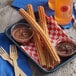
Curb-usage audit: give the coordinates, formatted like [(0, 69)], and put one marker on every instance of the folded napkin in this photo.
[(22, 4), (5, 68), (35, 3)]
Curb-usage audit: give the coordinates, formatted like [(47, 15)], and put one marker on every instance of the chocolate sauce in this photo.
[(66, 48), (21, 34)]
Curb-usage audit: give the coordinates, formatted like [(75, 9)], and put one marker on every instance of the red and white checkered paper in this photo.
[(56, 35)]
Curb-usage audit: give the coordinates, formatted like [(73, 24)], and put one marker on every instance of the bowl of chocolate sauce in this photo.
[(66, 48), (22, 33)]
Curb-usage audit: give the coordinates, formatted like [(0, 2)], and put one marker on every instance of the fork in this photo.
[(14, 57), (6, 57)]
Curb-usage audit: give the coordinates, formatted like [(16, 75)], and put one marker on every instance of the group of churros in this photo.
[(48, 55)]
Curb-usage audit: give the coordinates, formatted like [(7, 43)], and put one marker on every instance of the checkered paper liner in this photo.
[(56, 35)]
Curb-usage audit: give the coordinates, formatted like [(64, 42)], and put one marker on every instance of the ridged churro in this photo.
[(43, 24), (37, 40), (35, 26)]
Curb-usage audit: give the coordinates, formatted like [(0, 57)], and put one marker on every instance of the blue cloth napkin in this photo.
[(5, 68), (22, 4)]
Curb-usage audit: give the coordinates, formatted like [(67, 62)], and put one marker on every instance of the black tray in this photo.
[(65, 60)]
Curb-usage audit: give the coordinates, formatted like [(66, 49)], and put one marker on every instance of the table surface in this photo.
[(8, 16)]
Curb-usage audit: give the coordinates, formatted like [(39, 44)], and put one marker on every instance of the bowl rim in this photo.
[(25, 25), (62, 55)]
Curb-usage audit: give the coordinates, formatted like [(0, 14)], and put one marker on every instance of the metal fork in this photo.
[(6, 57), (14, 57)]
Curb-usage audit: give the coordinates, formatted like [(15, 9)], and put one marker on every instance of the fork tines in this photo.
[(13, 48), (2, 51), (13, 51)]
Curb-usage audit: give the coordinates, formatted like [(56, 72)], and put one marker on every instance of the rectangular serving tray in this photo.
[(66, 60)]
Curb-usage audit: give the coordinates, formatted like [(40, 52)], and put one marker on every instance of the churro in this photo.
[(35, 26), (43, 24), (37, 39)]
